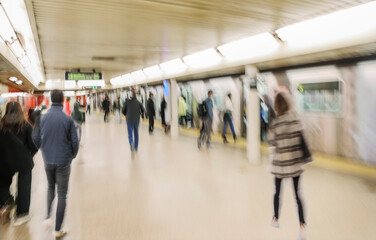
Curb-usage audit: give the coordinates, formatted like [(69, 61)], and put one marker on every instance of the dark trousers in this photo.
[(133, 129), (183, 120), (151, 123), (276, 198), (24, 191), (57, 175), (5, 182), (88, 109), (106, 115), (205, 131)]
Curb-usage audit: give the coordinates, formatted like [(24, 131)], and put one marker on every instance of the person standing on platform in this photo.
[(117, 108), (78, 119), (151, 112), (227, 118), (67, 108), (56, 135), (290, 153), (182, 111), (106, 108), (88, 105), (132, 111), (163, 116), (207, 121), (15, 124)]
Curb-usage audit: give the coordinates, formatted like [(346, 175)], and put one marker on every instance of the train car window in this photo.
[(319, 97)]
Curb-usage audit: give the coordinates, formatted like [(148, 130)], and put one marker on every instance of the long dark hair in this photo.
[(14, 119)]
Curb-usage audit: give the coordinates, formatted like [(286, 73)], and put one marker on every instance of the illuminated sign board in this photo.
[(83, 76)]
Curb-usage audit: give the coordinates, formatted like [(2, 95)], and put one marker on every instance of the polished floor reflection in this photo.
[(171, 191)]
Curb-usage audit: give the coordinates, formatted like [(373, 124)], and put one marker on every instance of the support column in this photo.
[(174, 109), (253, 116)]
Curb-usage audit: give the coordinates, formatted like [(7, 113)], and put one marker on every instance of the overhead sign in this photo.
[(83, 76)]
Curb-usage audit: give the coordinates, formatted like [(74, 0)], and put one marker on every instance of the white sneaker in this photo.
[(275, 223), (302, 234), (60, 234), (47, 223), (21, 220)]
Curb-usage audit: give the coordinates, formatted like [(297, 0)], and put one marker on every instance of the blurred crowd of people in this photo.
[(57, 133)]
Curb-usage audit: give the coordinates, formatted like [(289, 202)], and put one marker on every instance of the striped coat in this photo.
[(286, 135)]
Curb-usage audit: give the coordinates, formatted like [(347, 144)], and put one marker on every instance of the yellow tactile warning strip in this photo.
[(330, 162)]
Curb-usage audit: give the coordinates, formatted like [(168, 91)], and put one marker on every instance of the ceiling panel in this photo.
[(133, 34)]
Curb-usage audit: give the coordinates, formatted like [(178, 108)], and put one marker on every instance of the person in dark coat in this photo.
[(56, 136), (132, 110), (163, 116), (15, 124), (106, 107), (151, 112)]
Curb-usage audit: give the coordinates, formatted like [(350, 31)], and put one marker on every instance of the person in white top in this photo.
[(227, 118)]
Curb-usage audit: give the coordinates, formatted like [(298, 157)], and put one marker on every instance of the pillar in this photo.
[(174, 108), (253, 116)]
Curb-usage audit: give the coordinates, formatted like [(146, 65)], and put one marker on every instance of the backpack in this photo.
[(201, 109)]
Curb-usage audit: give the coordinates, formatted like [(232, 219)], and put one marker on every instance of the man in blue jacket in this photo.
[(207, 122), (56, 136)]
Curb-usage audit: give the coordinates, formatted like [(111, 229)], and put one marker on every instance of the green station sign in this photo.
[(83, 76)]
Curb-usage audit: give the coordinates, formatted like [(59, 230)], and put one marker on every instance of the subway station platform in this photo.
[(170, 190)]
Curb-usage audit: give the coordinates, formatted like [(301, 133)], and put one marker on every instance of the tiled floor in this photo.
[(171, 190)]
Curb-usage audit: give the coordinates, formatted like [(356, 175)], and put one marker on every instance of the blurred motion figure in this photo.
[(291, 152), (56, 135)]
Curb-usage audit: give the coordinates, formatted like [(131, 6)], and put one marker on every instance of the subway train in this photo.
[(336, 103)]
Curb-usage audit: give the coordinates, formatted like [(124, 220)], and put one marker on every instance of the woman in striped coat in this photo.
[(286, 136)]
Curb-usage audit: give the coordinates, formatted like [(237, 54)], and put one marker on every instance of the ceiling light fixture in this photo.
[(331, 28), (13, 79), (173, 66), (19, 82), (202, 59), (258, 45), (138, 76), (153, 71)]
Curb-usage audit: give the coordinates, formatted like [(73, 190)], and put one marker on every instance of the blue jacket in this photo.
[(56, 136), (209, 107)]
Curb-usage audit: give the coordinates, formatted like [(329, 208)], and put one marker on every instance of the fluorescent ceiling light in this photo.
[(91, 83), (138, 76), (13, 79), (153, 71), (257, 45), (69, 84), (116, 81), (331, 28), (173, 66), (6, 29), (17, 49), (204, 58), (19, 82)]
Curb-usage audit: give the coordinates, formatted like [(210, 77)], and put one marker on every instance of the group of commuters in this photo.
[(58, 136), (55, 134)]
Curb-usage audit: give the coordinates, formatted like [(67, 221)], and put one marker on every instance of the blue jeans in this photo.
[(133, 129), (57, 175), (228, 120)]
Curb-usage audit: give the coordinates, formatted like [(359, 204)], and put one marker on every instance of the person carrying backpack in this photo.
[(206, 110)]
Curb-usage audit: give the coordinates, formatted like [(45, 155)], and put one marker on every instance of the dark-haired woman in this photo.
[(15, 124), (286, 135)]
